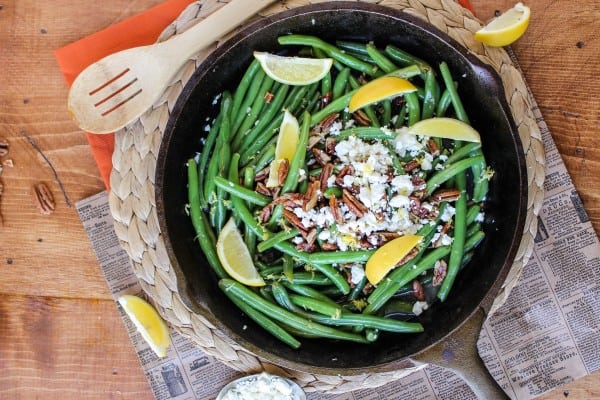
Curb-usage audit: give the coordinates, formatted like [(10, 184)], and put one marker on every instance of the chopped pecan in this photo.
[(445, 195), (328, 120), (265, 214), (326, 246), (324, 177), (43, 198), (335, 210), (306, 247), (313, 140), (410, 165), (346, 170), (295, 221), (3, 147), (361, 118), (262, 174), (418, 291), (321, 156), (439, 272), (311, 196), (358, 208), (282, 172), (311, 237), (418, 182), (262, 189), (330, 145), (433, 148), (269, 97), (326, 99)]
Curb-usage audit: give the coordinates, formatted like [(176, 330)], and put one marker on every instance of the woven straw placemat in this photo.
[(133, 204)]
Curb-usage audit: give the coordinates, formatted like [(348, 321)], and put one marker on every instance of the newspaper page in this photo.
[(187, 373), (548, 332)]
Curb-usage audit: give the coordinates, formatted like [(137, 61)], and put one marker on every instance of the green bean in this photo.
[(291, 181), (204, 233), (357, 289), (371, 321), (207, 148), (264, 321), (257, 107), (326, 85), (472, 213), (250, 149), (354, 47), (450, 171), (335, 106), (366, 132), (248, 173), (406, 72), (276, 238), (451, 87), (414, 108), (309, 278), (265, 157), (340, 257), (459, 237), (404, 58), (387, 112), (241, 192), (400, 119), (429, 101), (472, 229), (219, 213), (318, 306), (266, 119), (480, 181), (277, 313), (463, 151), (273, 272), (330, 50), (288, 267), (243, 86), (381, 60), (341, 80), (307, 291), (249, 99), (332, 191)]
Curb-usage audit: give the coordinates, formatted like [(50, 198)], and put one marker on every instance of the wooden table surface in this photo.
[(60, 334)]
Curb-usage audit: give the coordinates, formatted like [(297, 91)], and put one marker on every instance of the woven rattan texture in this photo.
[(133, 205)]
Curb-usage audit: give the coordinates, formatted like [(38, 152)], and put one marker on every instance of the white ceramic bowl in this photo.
[(262, 386)]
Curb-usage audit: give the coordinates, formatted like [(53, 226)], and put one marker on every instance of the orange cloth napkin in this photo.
[(139, 30)]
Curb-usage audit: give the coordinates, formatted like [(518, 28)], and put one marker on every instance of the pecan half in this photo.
[(445, 195), (43, 198), (3, 147), (283, 170), (326, 246), (262, 174), (439, 272), (311, 237), (358, 208), (346, 170), (328, 120), (361, 118), (311, 196), (265, 214), (335, 210), (433, 148), (410, 166), (321, 156), (262, 189), (418, 291), (295, 221), (330, 145), (324, 177)]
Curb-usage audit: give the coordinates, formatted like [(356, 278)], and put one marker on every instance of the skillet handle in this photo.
[(458, 352)]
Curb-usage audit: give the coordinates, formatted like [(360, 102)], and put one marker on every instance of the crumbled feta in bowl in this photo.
[(262, 386)]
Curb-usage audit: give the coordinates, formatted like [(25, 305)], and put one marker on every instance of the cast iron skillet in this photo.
[(481, 92)]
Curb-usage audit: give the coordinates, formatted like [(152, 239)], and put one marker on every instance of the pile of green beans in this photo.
[(308, 292)]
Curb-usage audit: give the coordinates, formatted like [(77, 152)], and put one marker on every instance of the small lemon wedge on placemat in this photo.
[(148, 322), (388, 256), (235, 257), (293, 70), (448, 128), (379, 89), (506, 28), (287, 143)]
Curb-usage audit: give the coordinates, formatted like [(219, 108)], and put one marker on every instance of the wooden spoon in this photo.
[(116, 90)]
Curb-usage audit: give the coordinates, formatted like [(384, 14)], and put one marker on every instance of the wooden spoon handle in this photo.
[(213, 27)]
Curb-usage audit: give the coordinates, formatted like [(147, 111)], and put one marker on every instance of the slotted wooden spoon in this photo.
[(116, 90)]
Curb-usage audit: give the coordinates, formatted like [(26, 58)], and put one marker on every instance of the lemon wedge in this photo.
[(379, 89), (287, 143), (388, 256), (506, 28), (293, 70), (235, 257), (448, 128), (151, 326)]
